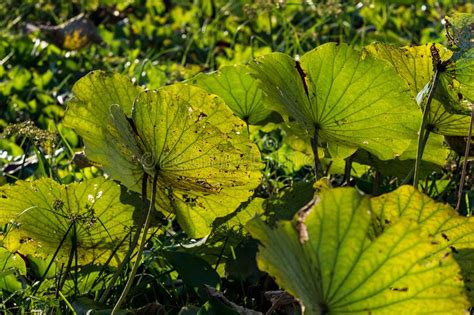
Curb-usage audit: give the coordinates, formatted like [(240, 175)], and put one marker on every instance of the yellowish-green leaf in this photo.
[(205, 163), (349, 98), (415, 65), (334, 265), (453, 234), (89, 216), (98, 96), (238, 89)]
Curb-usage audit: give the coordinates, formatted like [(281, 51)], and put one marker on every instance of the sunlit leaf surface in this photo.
[(238, 89), (87, 217), (453, 234), (342, 266), (205, 163), (415, 65), (349, 98)]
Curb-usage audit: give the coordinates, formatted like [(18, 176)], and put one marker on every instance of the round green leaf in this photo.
[(334, 263), (453, 234), (205, 163), (89, 113), (44, 221), (347, 97), (415, 65), (238, 89)]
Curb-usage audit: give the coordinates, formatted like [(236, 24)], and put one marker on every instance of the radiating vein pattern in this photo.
[(348, 266), (353, 99)]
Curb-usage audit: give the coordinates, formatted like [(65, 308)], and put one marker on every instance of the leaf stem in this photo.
[(143, 240), (466, 162), (52, 258), (133, 243), (424, 132), (317, 162)]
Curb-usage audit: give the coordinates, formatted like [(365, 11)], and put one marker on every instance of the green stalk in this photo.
[(424, 132), (52, 258), (133, 243), (143, 240), (317, 162), (466, 162)]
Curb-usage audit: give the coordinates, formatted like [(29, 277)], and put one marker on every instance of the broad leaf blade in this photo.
[(350, 99), (238, 89), (97, 112), (343, 267), (415, 66), (452, 233), (43, 219), (206, 165)]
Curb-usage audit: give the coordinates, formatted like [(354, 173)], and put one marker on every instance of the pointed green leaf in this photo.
[(40, 222), (206, 164), (453, 234), (341, 267), (415, 66), (238, 89), (349, 98)]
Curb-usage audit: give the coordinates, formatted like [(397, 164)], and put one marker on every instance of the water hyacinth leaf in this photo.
[(453, 234), (45, 220), (206, 164), (415, 66), (238, 89), (334, 264), (349, 98)]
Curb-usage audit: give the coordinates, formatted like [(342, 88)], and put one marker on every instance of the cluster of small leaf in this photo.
[(195, 152)]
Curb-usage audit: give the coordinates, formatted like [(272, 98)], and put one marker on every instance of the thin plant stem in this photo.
[(317, 162), (72, 254), (133, 243), (143, 240), (52, 258), (424, 132), (466, 162)]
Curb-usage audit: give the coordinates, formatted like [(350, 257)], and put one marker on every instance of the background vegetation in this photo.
[(157, 43)]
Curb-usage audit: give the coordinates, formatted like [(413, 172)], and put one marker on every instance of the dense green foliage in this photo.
[(236, 157)]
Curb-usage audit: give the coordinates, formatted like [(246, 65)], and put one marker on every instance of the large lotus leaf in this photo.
[(90, 114), (238, 89), (333, 263), (415, 66), (206, 165), (452, 233), (349, 98), (43, 211)]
